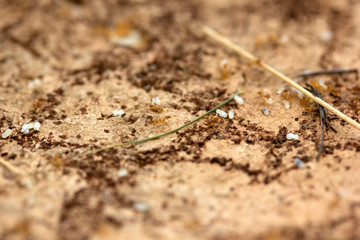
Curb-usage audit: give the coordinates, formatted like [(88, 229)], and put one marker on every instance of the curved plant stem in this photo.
[(170, 132)]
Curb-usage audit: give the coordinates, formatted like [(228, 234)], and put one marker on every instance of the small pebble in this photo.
[(141, 207), (231, 114), (265, 111), (156, 101), (122, 173), (239, 100), (118, 113), (221, 113), (6, 133), (299, 163), (292, 136)]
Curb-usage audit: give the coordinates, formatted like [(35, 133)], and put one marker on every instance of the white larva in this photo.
[(141, 207), (239, 100), (231, 114), (118, 113), (122, 173), (221, 113), (6, 133)]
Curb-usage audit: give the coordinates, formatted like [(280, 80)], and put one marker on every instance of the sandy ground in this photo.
[(69, 64)]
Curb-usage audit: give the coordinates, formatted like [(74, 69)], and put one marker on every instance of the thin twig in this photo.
[(327, 72), (170, 132), (228, 43), (10, 167)]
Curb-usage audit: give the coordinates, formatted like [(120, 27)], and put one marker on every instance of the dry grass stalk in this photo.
[(11, 167)]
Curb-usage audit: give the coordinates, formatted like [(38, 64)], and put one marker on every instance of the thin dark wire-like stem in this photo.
[(170, 132), (321, 141), (326, 72), (323, 119)]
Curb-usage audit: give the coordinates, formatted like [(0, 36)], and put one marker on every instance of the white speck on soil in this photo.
[(118, 113), (284, 39), (28, 183), (300, 94), (34, 83), (156, 101), (326, 36), (292, 136), (269, 100), (223, 63), (122, 173), (231, 114), (323, 84), (37, 126), (131, 40), (141, 207), (286, 104)]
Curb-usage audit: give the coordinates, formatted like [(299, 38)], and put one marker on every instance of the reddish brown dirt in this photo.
[(231, 179)]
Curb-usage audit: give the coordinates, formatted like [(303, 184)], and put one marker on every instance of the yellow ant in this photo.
[(224, 69), (37, 105), (161, 120), (156, 108), (211, 120)]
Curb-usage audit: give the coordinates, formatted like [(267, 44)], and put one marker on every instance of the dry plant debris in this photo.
[(69, 64), (324, 120), (210, 32), (327, 72)]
